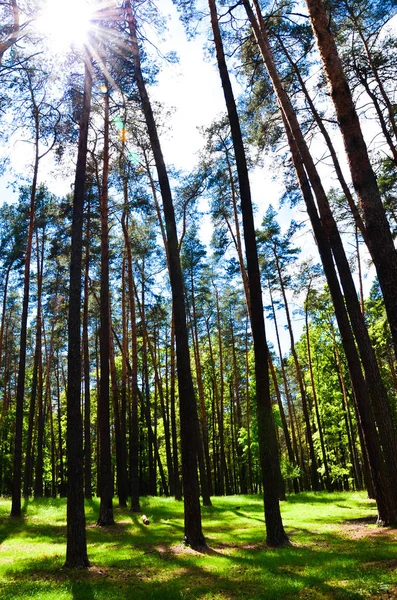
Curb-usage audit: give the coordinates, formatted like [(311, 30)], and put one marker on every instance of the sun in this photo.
[(65, 23)]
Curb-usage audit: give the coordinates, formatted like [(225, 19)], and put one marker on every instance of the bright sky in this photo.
[(193, 88)]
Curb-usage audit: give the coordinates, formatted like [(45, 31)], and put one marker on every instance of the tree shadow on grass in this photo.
[(82, 590), (328, 566), (11, 526), (133, 561)]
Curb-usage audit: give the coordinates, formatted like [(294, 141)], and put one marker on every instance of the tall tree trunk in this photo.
[(105, 475), (239, 418), (3, 316), (347, 416), (177, 481), (315, 399), (380, 241), (134, 427), (38, 483), (164, 414), (124, 405), (17, 465), (320, 123), (299, 147), (86, 363), (158, 382), (28, 475), (203, 455), (49, 351), (188, 409), (287, 436), (224, 473), (298, 453), (309, 436), (379, 474), (248, 412), (62, 487), (121, 459), (269, 459), (76, 544)]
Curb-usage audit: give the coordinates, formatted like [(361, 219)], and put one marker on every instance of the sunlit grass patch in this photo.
[(335, 552)]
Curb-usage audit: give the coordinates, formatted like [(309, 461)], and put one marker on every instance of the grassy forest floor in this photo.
[(337, 552)]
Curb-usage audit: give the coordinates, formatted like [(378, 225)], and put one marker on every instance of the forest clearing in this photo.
[(156, 441), (337, 553)]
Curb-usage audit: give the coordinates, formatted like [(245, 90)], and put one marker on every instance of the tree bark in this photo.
[(86, 364), (17, 466), (384, 495), (105, 475), (302, 162), (38, 482), (315, 400), (76, 544), (309, 436), (269, 459), (380, 241), (134, 426), (188, 409)]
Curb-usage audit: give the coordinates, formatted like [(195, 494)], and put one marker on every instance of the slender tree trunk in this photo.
[(48, 407), (28, 475), (3, 316), (287, 437), (299, 454), (269, 459), (203, 449), (248, 412), (86, 367), (76, 545), (224, 474), (315, 399), (166, 420), (124, 408), (347, 416), (62, 487), (188, 410), (20, 393), (121, 459), (157, 378), (378, 470), (309, 436), (38, 483), (360, 275), (299, 146), (378, 109), (134, 427), (242, 465), (320, 123), (375, 72), (379, 236), (177, 481), (105, 475)]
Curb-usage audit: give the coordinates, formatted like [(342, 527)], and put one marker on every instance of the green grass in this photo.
[(332, 554)]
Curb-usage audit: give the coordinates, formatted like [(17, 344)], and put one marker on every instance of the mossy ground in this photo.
[(337, 552)]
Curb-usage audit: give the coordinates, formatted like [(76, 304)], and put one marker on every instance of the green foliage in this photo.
[(289, 471)]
